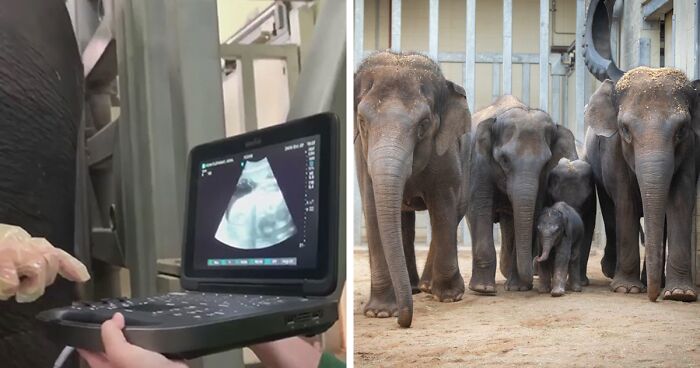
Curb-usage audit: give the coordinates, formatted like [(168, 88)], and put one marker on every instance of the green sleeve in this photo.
[(330, 361)]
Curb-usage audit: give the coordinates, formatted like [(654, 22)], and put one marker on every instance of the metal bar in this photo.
[(261, 51), (644, 51), (480, 58), (396, 25), (672, 50), (250, 112), (428, 231), (526, 85), (433, 28), (580, 66), (507, 46), (697, 40), (360, 30), (556, 101), (544, 54), (656, 8), (565, 104), (495, 81), (470, 55)]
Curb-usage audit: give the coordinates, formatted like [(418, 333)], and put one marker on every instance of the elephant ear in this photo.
[(563, 145), (482, 137), (601, 115), (695, 106), (455, 119)]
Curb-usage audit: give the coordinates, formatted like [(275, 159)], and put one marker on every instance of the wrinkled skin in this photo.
[(41, 81), (572, 182), (559, 239), (642, 145), (411, 153), (513, 150)]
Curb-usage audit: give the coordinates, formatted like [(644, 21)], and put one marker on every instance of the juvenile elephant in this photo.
[(513, 150), (559, 231), (642, 145), (41, 95), (411, 153), (572, 182)]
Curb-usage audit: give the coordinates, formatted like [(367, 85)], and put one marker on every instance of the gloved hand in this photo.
[(28, 265)]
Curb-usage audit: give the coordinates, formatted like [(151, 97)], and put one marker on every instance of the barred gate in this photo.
[(551, 69)]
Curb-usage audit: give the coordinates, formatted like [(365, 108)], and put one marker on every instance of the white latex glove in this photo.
[(28, 265)]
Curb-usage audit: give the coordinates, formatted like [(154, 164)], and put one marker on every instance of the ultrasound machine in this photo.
[(260, 250)]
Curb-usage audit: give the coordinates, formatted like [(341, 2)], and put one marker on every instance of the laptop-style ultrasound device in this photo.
[(260, 252)]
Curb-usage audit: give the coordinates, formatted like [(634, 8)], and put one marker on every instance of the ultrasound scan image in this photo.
[(257, 215)]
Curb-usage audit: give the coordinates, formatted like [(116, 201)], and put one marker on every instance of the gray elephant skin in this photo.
[(514, 148), (572, 182), (41, 94), (411, 151), (559, 238), (642, 145)]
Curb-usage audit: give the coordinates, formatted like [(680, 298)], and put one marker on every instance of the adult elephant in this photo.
[(642, 145), (411, 153), (41, 82), (513, 150)]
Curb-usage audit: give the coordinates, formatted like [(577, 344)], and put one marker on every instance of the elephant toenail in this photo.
[(459, 297), (383, 314), (447, 300), (370, 314)]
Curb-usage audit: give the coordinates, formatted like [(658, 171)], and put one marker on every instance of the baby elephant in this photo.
[(559, 231)]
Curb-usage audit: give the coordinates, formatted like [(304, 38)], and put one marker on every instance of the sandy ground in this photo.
[(594, 328)]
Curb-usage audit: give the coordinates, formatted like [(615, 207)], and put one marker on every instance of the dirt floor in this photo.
[(594, 328)]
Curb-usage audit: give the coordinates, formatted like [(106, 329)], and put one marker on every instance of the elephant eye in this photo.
[(423, 128), (681, 133), (624, 129)]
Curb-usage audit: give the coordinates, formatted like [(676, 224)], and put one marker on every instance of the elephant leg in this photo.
[(382, 299), (545, 279), (588, 229), (574, 266), (607, 209), (507, 245), (626, 279), (426, 278), (447, 282), (483, 278), (679, 215), (408, 234)]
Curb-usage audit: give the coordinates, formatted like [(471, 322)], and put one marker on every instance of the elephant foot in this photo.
[(544, 289), (482, 286), (514, 284), (585, 281), (415, 290), (448, 291), (681, 293), (627, 285), (576, 288), (557, 291), (424, 286), (608, 266), (381, 307)]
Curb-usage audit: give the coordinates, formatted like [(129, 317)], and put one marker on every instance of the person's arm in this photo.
[(292, 352)]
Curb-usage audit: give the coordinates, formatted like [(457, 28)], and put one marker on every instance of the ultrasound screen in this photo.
[(259, 209)]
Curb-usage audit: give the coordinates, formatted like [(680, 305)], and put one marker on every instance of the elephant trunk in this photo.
[(389, 167), (546, 248), (654, 172), (524, 202)]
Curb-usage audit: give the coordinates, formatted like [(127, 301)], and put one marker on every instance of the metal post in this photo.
[(644, 51), (470, 49), (526, 84), (697, 40), (580, 66), (556, 86), (396, 25), (673, 40), (433, 29), (507, 46), (495, 81), (360, 30), (544, 54)]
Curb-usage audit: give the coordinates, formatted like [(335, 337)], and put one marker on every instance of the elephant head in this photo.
[(550, 230), (406, 113), (570, 182), (522, 145), (656, 113)]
